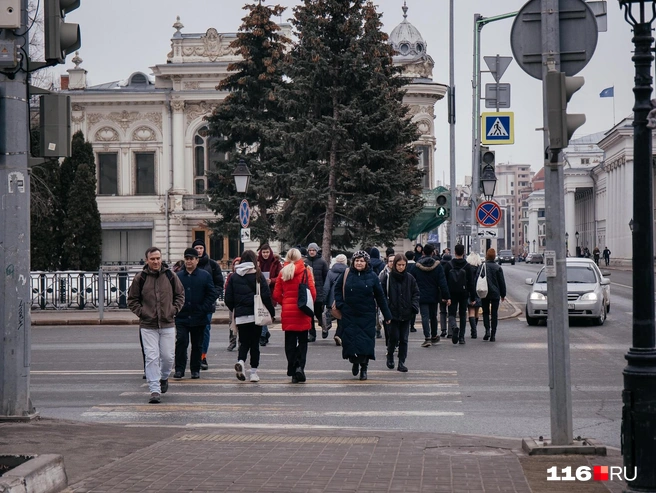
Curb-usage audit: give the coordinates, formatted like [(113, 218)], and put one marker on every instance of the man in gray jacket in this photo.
[(156, 296)]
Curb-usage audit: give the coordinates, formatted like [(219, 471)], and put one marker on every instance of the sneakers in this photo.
[(263, 341), (443, 333), (426, 343), (231, 346), (204, 365), (239, 369), (254, 376), (412, 329), (155, 398), (324, 333), (454, 338), (435, 339), (312, 338), (195, 375), (178, 374), (164, 385), (338, 341)]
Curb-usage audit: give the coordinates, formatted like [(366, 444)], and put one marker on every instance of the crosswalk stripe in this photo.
[(435, 373), (303, 394), (163, 410)]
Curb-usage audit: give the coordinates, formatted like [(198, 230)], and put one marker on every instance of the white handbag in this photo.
[(481, 283), (262, 315)]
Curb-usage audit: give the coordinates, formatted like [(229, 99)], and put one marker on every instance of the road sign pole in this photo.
[(558, 321), (476, 144)]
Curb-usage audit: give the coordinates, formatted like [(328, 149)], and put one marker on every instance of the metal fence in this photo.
[(81, 290)]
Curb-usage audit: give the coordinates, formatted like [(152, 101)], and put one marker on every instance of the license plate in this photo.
[(570, 306)]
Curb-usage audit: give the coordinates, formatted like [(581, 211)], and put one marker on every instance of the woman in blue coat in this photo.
[(362, 293)]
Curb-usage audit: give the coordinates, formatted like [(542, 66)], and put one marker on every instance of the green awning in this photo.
[(426, 220)]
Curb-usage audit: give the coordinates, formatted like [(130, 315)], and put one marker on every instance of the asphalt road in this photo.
[(94, 374)]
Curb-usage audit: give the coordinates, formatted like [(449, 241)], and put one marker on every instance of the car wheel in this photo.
[(531, 320), (602, 317)]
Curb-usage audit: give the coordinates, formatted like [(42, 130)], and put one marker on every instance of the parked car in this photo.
[(534, 258), (588, 293), (505, 256)]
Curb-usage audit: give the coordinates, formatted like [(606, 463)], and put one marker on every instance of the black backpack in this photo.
[(457, 281)]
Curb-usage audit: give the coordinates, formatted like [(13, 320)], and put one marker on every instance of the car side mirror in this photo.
[(605, 282), (529, 280)]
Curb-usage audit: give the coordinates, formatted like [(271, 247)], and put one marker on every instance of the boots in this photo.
[(390, 360), (363, 371), (486, 337), (493, 336), (472, 325), (454, 337)]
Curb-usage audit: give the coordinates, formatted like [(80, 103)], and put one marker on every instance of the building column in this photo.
[(178, 147), (570, 216)]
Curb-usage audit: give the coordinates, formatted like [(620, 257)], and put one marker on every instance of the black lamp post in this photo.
[(639, 395), (489, 181), (242, 177)]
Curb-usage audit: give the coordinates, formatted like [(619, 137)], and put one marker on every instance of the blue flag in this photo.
[(609, 92)]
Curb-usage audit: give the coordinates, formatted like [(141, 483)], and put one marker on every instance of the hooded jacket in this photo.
[(329, 286), (156, 303), (377, 265), (431, 280), (240, 291), (286, 294)]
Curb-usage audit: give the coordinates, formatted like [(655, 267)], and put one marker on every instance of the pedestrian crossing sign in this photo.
[(497, 128)]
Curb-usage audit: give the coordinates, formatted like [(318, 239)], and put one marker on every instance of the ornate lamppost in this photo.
[(639, 395)]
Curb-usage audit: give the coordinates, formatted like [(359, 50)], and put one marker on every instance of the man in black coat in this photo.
[(459, 278), (320, 271), (200, 296), (214, 270)]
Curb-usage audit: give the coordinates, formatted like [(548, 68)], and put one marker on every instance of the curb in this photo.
[(105, 321), (516, 313), (41, 474)]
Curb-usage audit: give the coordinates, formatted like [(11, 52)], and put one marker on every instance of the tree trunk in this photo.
[(329, 220)]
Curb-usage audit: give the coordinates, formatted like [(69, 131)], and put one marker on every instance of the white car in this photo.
[(588, 293)]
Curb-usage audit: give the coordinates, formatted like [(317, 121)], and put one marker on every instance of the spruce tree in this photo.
[(347, 141), (81, 229), (242, 121), (45, 216)]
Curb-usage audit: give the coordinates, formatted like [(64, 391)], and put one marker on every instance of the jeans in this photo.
[(159, 347), (296, 343), (265, 331), (487, 302), (428, 313), (249, 340), (206, 335), (182, 334), (444, 311), (459, 305), (398, 332)]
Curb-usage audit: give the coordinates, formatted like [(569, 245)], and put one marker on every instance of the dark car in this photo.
[(534, 258), (505, 256)]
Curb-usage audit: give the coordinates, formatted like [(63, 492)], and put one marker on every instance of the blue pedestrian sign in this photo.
[(488, 214), (244, 214), (497, 128)]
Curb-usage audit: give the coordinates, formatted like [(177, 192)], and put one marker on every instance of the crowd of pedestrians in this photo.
[(370, 297)]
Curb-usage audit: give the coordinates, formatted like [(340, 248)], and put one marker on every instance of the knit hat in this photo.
[(313, 246), (199, 242), (375, 253), (340, 259), (191, 252), (361, 254)]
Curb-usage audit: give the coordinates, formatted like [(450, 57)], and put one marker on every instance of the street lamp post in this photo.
[(242, 176), (639, 395)]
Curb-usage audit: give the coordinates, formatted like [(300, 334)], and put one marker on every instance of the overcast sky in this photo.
[(123, 36)]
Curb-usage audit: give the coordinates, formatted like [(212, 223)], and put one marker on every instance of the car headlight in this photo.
[(537, 296), (589, 297)]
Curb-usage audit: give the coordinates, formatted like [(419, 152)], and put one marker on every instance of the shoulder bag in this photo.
[(481, 282), (334, 311), (305, 301)]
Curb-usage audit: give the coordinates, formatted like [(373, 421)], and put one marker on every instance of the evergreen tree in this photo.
[(347, 141), (45, 216), (242, 121), (81, 230)]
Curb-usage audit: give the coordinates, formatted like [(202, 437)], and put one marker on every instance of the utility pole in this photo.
[(15, 403), (452, 132)]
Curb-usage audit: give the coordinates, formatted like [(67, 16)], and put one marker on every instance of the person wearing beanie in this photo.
[(389, 251), (190, 322), (214, 270), (338, 268), (358, 299), (377, 265), (270, 266), (320, 271)]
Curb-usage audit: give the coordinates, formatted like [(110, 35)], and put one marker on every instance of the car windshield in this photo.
[(575, 274), (505, 253)]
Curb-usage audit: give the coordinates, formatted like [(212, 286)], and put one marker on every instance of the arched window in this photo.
[(205, 159)]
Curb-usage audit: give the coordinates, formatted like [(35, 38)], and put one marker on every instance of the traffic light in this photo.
[(488, 177), (488, 157), (443, 211), (562, 126), (61, 38)]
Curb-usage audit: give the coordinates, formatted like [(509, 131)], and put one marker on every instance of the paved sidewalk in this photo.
[(118, 458)]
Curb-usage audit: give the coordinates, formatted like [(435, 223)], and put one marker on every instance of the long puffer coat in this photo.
[(358, 306), (402, 294), (286, 294)]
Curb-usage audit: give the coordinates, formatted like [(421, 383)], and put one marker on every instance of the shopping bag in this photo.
[(262, 314), (481, 282)]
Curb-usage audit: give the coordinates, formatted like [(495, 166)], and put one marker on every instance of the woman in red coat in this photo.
[(295, 323)]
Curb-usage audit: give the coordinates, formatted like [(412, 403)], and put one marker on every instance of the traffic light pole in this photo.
[(15, 403), (558, 319)]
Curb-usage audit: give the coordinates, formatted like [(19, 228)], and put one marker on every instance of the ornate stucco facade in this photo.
[(152, 151)]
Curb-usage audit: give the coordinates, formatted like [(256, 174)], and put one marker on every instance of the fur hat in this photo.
[(362, 254)]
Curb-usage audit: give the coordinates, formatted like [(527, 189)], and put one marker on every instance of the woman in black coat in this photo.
[(402, 294), (496, 292), (362, 293)]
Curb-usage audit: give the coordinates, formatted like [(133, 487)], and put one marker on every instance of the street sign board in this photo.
[(244, 214), (497, 128), (497, 65), (245, 235), (497, 91), (463, 229), (488, 233), (488, 213), (550, 263), (578, 37)]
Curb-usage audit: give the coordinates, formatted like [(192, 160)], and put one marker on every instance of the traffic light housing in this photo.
[(562, 126), (488, 157), (443, 202), (61, 38)]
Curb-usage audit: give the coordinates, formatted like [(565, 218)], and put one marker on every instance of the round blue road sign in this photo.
[(244, 214), (488, 214)]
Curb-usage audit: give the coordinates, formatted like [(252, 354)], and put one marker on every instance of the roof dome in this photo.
[(407, 40)]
